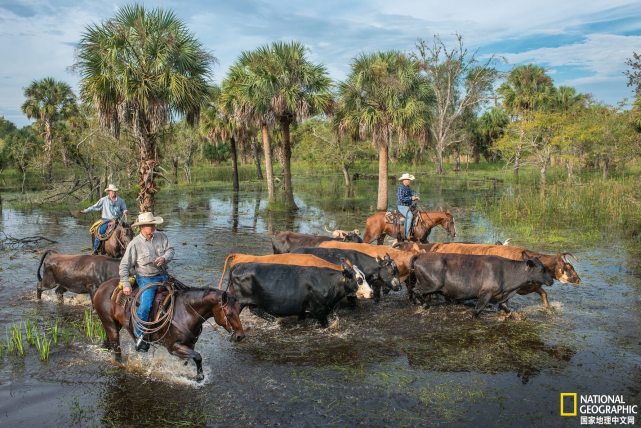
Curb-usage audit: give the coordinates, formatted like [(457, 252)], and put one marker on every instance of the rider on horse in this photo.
[(405, 198), (112, 206), (148, 253)]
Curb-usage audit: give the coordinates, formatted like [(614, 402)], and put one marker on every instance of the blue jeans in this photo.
[(101, 231), (408, 219), (147, 297)]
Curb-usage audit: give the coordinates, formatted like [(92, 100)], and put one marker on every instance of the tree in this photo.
[(526, 89), (139, 69), (634, 74), (460, 83), (383, 97), (21, 147), (48, 101), (488, 128)]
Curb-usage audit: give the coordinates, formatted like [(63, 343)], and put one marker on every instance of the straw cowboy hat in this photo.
[(112, 188), (406, 176), (147, 218)]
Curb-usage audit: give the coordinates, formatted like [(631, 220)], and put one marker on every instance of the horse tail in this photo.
[(222, 275), (42, 259)]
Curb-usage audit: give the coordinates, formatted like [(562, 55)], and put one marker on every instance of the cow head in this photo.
[(355, 281), (353, 237), (564, 271), (388, 272), (536, 271)]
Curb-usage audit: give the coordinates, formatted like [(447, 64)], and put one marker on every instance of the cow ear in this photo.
[(347, 271), (530, 264), (223, 298), (378, 259), (524, 255)]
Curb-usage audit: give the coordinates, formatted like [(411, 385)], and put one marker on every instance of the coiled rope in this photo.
[(150, 327)]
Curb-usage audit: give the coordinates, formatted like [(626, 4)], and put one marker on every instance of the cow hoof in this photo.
[(200, 377)]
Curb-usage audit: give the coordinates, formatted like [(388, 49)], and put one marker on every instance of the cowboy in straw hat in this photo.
[(148, 254), (113, 207), (405, 197)]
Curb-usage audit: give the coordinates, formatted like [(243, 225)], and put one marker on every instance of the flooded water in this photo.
[(387, 364)]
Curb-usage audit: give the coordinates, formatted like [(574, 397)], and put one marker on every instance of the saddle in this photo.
[(161, 301), (93, 230), (394, 217)]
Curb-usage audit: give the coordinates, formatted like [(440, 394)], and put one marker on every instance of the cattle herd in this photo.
[(308, 275)]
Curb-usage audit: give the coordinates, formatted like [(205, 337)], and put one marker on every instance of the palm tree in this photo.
[(283, 84), (48, 101), (139, 69), (221, 124), (248, 96), (526, 89), (384, 96)]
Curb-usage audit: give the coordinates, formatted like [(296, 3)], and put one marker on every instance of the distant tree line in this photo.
[(147, 111)]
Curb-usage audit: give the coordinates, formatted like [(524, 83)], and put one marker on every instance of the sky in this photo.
[(583, 44)]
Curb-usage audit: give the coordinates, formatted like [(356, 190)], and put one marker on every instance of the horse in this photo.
[(376, 227), (192, 307), (116, 244)]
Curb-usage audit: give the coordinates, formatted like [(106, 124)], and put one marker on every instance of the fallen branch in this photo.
[(10, 241)]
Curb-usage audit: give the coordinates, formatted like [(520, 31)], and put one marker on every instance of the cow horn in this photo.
[(564, 256), (327, 230)]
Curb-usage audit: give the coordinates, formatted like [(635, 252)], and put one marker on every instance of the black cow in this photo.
[(462, 277), (286, 290), (284, 242), (381, 273)]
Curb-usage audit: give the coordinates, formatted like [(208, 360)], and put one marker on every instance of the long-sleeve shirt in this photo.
[(404, 195), (111, 210), (141, 253)]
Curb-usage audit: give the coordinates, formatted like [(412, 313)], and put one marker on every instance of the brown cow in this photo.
[(557, 264), (401, 258), (284, 242), (304, 260), (376, 228), (80, 274)]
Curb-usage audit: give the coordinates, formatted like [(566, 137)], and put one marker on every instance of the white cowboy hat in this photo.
[(112, 188), (147, 218), (406, 176)]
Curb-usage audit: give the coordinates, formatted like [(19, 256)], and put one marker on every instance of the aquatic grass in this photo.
[(16, 340), (568, 214), (30, 332), (55, 332), (67, 337), (93, 326), (43, 345), (3, 348)]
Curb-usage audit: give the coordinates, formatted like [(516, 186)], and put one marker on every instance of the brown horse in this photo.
[(376, 227), (116, 244), (192, 308)]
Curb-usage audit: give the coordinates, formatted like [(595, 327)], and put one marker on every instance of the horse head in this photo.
[(123, 234), (448, 224), (226, 312)]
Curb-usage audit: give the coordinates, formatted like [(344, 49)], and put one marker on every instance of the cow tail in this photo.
[(227, 259), (42, 259)]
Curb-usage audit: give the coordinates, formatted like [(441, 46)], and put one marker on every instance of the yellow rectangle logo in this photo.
[(568, 394)]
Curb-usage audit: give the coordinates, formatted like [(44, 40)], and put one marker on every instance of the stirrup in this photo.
[(141, 344)]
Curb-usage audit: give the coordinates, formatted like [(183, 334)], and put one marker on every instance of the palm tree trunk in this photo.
[(48, 151), (234, 163), (146, 171), (259, 172), (381, 204), (287, 172), (269, 171)]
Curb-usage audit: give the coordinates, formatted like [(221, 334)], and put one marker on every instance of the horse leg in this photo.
[(183, 351), (544, 297), (60, 290), (39, 290)]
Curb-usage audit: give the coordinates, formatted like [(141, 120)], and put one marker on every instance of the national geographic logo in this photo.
[(597, 409)]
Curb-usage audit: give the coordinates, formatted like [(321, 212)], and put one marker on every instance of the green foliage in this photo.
[(43, 345), (216, 152), (16, 340), (93, 326)]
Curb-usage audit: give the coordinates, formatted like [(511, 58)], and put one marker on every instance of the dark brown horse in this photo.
[(376, 227), (192, 308), (116, 244)]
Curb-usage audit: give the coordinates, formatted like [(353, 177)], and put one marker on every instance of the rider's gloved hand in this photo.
[(126, 290), (159, 261)]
